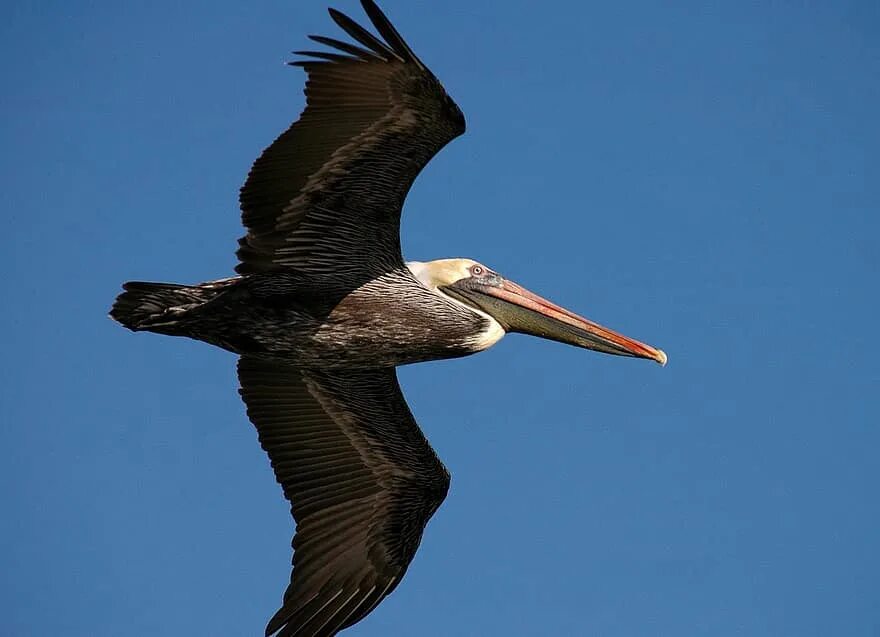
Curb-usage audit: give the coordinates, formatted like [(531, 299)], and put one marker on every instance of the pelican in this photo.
[(323, 309)]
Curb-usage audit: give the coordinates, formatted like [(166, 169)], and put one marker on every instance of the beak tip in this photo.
[(661, 357)]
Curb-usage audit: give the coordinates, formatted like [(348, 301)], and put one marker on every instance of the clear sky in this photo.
[(704, 177)]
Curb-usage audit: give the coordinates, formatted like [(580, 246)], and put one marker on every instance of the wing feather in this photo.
[(361, 479), (363, 36), (345, 47), (386, 30), (325, 198), (324, 55)]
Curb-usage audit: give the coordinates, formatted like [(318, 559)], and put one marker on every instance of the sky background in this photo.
[(701, 176)]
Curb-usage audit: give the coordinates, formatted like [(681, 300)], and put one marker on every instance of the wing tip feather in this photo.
[(359, 33), (389, 46), (391, 35)]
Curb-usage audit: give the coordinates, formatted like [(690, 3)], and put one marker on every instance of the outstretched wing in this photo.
[(362, 481), (325, 197)]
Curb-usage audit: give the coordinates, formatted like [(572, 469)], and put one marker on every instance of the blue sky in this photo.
[(703, 177)]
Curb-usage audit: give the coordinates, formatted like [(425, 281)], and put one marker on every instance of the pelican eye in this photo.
[(478, 270)]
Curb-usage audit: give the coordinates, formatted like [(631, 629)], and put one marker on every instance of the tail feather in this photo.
[(160, 306)]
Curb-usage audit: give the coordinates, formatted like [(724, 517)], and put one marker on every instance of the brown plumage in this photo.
[(322, 210), (324, 309), (361, 478), (332, 186)]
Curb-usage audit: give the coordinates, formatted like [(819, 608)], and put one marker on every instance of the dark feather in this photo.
[(324, 55), (325, 198), (351, 49), (362, 35), (357, 531), (387, 31)]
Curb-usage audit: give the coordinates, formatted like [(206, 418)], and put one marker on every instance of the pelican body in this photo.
[(323, 309), (416, 313), (388, 321)]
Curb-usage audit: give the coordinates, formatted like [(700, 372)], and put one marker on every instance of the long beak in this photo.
[(518, 310)]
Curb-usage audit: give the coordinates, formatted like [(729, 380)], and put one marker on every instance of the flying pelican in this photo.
[(324, 308)]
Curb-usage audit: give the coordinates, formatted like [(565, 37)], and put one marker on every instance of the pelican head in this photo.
[(516, 309)]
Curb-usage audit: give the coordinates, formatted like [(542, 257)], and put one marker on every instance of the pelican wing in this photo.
[(361, 478), (325, 198)]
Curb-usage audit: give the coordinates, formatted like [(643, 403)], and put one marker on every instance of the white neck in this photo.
[(482, 341)]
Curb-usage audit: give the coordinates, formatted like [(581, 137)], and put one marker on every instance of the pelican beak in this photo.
[(518, 310)]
